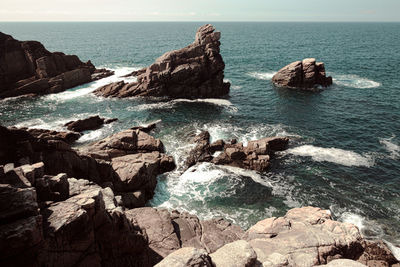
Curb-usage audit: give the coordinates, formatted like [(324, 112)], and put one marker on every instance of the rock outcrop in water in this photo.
[(255, 156), (196, 71), (28, 68), (90, 123), (306, 74)]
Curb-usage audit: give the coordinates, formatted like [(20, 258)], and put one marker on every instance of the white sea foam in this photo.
[(353, 218), (90, 87), (334, 155), (170, 104), (262, 75), (228, 131), (395, 250), (90, 136), (392, 147), (355, 81)]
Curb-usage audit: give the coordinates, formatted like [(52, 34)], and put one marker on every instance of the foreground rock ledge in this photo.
[(306, 74), (27, 68), (196, 71)]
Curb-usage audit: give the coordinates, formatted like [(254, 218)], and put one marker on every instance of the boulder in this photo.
[(235, 254), (90, 123), (306, 74), (304, 237), (27, 68), (196, 71), (168, 232), (186, 257)]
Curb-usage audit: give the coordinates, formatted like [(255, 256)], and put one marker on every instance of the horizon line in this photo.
[(202, 21)]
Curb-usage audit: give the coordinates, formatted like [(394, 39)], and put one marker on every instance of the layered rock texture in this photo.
[(196, 71), (306, 74), (303, 237), (28, 68), (128, 161), (255, 156), (53, 220)]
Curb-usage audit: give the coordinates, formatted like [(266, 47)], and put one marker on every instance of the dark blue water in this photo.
[(344, 154)]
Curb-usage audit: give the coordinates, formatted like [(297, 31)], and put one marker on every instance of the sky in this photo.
[(199, 10)]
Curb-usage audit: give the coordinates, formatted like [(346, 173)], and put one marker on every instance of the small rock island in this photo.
[(306, 74)]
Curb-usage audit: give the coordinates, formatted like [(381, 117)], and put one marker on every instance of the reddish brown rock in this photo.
[(256, 155), (196, 71), (28, 68), (306, 74), (90, 123)]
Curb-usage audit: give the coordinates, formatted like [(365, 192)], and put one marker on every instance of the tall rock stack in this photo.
[(196, 71)]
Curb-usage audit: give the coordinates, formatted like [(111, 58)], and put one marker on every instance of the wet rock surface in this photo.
[(196, 71), (255, 156)]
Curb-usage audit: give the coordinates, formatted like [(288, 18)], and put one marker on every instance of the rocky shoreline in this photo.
[(63, 207), (86, 206), (28, 68)]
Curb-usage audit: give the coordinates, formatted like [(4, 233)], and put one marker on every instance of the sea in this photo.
[(344, 152)]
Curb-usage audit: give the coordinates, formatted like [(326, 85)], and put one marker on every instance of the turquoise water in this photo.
[(345, 141)]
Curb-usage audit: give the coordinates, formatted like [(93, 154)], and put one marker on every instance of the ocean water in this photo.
[(344, 153)]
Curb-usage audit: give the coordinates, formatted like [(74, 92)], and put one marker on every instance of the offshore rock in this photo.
[(90, 123), (306, 74), (26, 67), (196, 71), (255, 156)]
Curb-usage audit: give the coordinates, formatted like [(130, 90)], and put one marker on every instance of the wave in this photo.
[(354, 219), (355, 81), (391, 147), (262, 75), (91, 136), (90, 87), (170, 104), (334, 155), (210, 191), (228, 131)]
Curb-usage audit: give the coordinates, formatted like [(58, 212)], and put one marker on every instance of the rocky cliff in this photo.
[(26, 67), (196, 71)]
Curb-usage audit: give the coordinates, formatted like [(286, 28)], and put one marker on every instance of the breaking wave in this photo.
[(334, 155), (355, 81)]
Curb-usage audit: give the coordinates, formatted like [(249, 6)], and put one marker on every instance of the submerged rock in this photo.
[(255, 156), (90, 123), (306, 74), (26, 67), (196, 71)]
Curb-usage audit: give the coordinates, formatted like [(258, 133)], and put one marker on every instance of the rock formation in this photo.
[(90, 123), (48, 220), (28, 68), (128, 161), (306, 74), (255, 156), (303, 237), (196, 71)]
